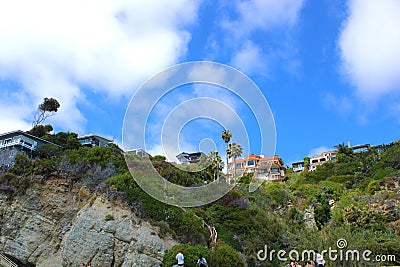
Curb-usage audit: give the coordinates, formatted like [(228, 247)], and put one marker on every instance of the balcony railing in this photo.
[(17, 142)]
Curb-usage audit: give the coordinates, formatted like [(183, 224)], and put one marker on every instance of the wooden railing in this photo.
[(6, 262)]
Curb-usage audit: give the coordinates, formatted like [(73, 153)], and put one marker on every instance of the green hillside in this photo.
[(355, 198)]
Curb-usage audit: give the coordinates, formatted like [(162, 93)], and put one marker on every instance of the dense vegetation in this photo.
[(354, 198)]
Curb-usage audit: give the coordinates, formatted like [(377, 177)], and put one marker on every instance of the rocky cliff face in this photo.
[(50, 225)]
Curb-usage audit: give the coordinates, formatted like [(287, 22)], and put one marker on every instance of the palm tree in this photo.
[(226, 136), (216, 163), (235, 151), (345, 153), (343, 149)]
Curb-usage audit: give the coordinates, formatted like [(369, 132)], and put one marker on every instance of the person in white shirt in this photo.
[(180, 258), (319, 259)]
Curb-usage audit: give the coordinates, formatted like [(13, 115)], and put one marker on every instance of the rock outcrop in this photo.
[(50, 225)]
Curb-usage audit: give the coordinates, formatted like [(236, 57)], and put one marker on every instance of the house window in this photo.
[(274, 170), (250, 163), (7, 141)]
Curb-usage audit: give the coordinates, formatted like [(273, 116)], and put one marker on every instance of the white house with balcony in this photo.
[(92, 140), (18, 141), (322, 158)]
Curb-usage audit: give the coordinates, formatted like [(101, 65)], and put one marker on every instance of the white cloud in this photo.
[(264, 15), (62, 48), (15, 113), (249, 58), (208, 72), (369, 46), (261, 16)]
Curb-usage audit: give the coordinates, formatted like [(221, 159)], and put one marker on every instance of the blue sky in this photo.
[(330, 70)]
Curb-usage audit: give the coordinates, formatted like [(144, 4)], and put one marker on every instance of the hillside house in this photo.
[(186, 158), (298, 166), (361, 148), (92, 140), (321, 159), (264, 168), (18, 141)]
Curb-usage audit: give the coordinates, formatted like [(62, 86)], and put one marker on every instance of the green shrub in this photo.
[(22, 165), (245, 179), (391, 157), (46, 166), (363, 217), (306, 192), (334, 189), (189, 228), (349, 197), (47, 151), (373, 187), (65, 139), (227, 236), (223, 255), (19, 183), (346, 180), (101, 156), (9, 179), (380, 174), (322, 214), (276, 193)]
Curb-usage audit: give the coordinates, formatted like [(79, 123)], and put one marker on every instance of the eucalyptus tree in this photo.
[(46, 109)]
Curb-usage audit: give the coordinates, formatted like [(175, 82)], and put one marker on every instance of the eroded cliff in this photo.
[(51, 225)]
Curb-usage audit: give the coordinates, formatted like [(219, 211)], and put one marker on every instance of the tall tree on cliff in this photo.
[(46, 109)]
